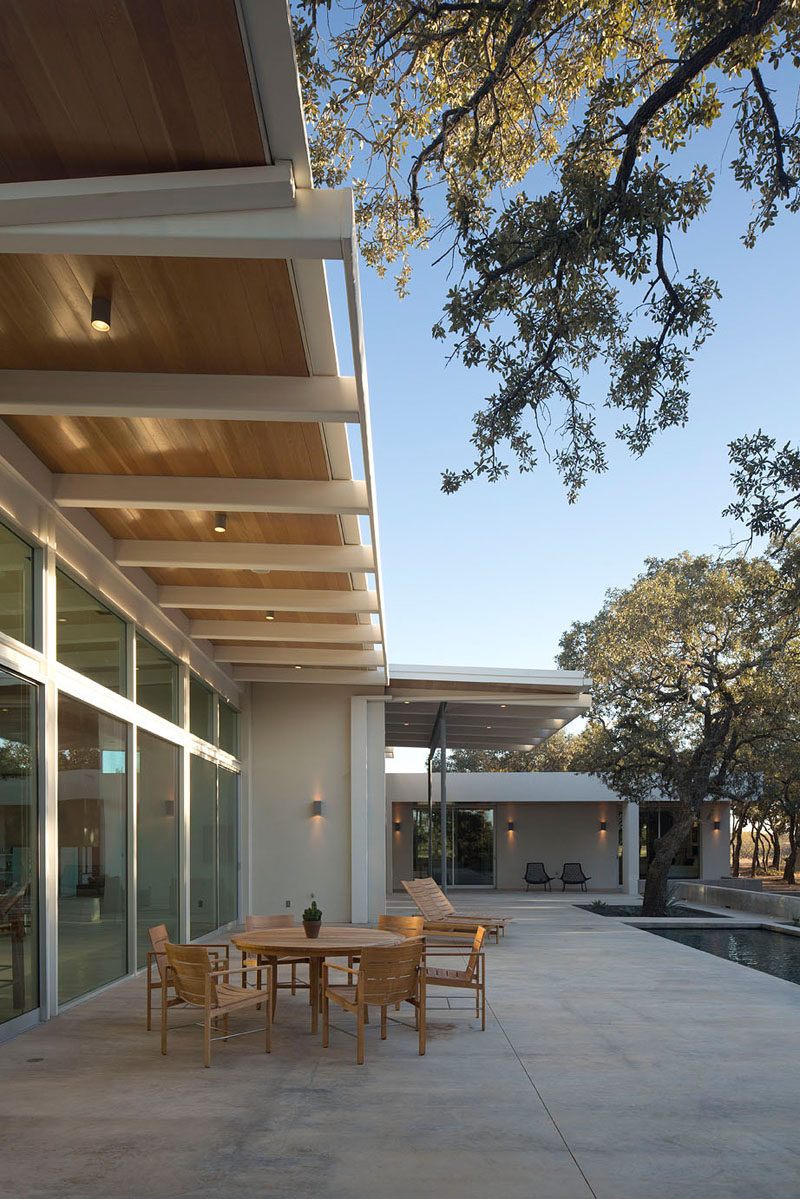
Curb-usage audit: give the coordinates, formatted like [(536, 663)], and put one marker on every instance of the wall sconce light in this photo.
[(101, 314), (398, 824), (602, 826), (511, 826), (220, 522), (316, 807), (716, 826), (169, 807)]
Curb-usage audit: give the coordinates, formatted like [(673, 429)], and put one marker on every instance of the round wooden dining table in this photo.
[(334, 940)]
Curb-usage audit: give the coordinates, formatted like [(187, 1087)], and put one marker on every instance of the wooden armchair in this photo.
[(249, 959), (384, 976), (162, 981), (473, 977), (197, 983), (409, 927)]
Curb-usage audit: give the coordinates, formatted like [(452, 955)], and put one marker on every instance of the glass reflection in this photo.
[(90, 638), (92, 849), (16, 587), (157, 839), (203, 847), (19, 970)]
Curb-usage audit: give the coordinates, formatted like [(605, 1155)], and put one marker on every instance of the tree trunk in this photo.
[(790, 865), (776, 851), (737, 849), (666, 847)]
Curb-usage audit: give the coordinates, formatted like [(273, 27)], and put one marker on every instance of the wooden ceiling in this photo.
[(115, 87)]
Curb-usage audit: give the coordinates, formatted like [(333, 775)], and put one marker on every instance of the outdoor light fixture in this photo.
[(511, 826), (270, 615), (298, 667), (101, 314), (602, 826), (316, 807), (220, 522), (716, 826), (398, 824)]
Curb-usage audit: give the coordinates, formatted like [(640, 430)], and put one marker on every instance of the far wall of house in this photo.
[(556, 818)]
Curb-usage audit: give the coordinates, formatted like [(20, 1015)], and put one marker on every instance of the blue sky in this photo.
[(493, 575)]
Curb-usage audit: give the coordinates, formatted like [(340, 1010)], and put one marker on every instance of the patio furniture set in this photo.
[(571, 875), (385, 966)]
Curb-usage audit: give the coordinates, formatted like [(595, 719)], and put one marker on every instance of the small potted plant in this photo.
[(312, 919)]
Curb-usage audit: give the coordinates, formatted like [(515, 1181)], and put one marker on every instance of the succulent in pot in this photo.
[(312, 920)]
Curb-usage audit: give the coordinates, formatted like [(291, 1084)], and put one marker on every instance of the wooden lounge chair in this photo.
[(161, 980), (440, 915), (409, 927), (197, 983), (248, 960), (535, 874), (384, 975), (572, 875), (473, 976)]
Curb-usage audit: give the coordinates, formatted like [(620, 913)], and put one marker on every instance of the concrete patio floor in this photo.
[(615, 1064)]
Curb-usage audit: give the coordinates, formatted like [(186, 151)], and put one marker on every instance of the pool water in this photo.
[(770, 952)]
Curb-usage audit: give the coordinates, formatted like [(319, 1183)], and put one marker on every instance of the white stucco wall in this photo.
[(300, 751)]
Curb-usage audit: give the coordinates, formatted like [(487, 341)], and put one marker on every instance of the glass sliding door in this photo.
[(157, 805), (470, 845), (92, 849), (228, 841), (19, 855), (203, 847)]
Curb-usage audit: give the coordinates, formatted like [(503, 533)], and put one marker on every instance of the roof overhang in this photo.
[(483, 708)]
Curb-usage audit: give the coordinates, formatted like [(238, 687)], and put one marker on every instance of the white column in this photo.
[(359, 832), (630, 848), (376, 808)]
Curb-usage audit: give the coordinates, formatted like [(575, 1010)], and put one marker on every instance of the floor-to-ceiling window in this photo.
[(654, 822), (156, 839), (19, 855), (16, 587), (228, 898), (470, 845), (90, 638), (203, 847), (92, 848)]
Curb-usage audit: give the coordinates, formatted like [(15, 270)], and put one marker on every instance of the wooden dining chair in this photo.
[(407, 926), (472, 977), (384, 975), (197, 983), (252, 923), (161, 979)]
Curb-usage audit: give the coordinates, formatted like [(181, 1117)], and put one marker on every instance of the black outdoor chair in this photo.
[(572, 873), (535, 873)]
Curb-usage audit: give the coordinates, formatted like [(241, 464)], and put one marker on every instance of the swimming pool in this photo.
[(759, 948)]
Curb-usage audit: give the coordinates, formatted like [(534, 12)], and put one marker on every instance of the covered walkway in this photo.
[(614, 1064)]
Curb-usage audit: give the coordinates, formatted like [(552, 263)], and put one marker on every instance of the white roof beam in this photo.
[(279, 630), (171, 193), (276, 674), (338, 497), (318, 225), (258, 599), (320, 398), (258, 655), (257, 556)]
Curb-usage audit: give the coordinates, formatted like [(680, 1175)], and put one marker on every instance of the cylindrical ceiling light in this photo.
[(220, 522), (101, 314), (270, 615)]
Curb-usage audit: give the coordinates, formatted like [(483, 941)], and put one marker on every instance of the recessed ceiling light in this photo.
[(270, 615), (406, 701), (502, 705), (101, 314), (298, 667), (220, 522)]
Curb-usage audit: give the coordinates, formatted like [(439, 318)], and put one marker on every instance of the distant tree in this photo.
[(556, 131), (686, 665), (561, 751)]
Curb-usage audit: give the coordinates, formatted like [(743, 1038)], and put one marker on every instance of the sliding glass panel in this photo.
[(201, 710), (228, 846), (203, 847), (156, 839), (92, 848), (91, 638), (156, 680), (474, 847), (16, 587), (19, 872), (228, 728), (421, 833)]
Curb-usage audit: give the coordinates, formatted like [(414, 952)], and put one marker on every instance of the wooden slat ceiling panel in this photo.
[(107, 87), (189, 315), (167, 577), (347, 646)]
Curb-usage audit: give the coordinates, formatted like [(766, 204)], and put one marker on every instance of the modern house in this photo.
[(195, 701)]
